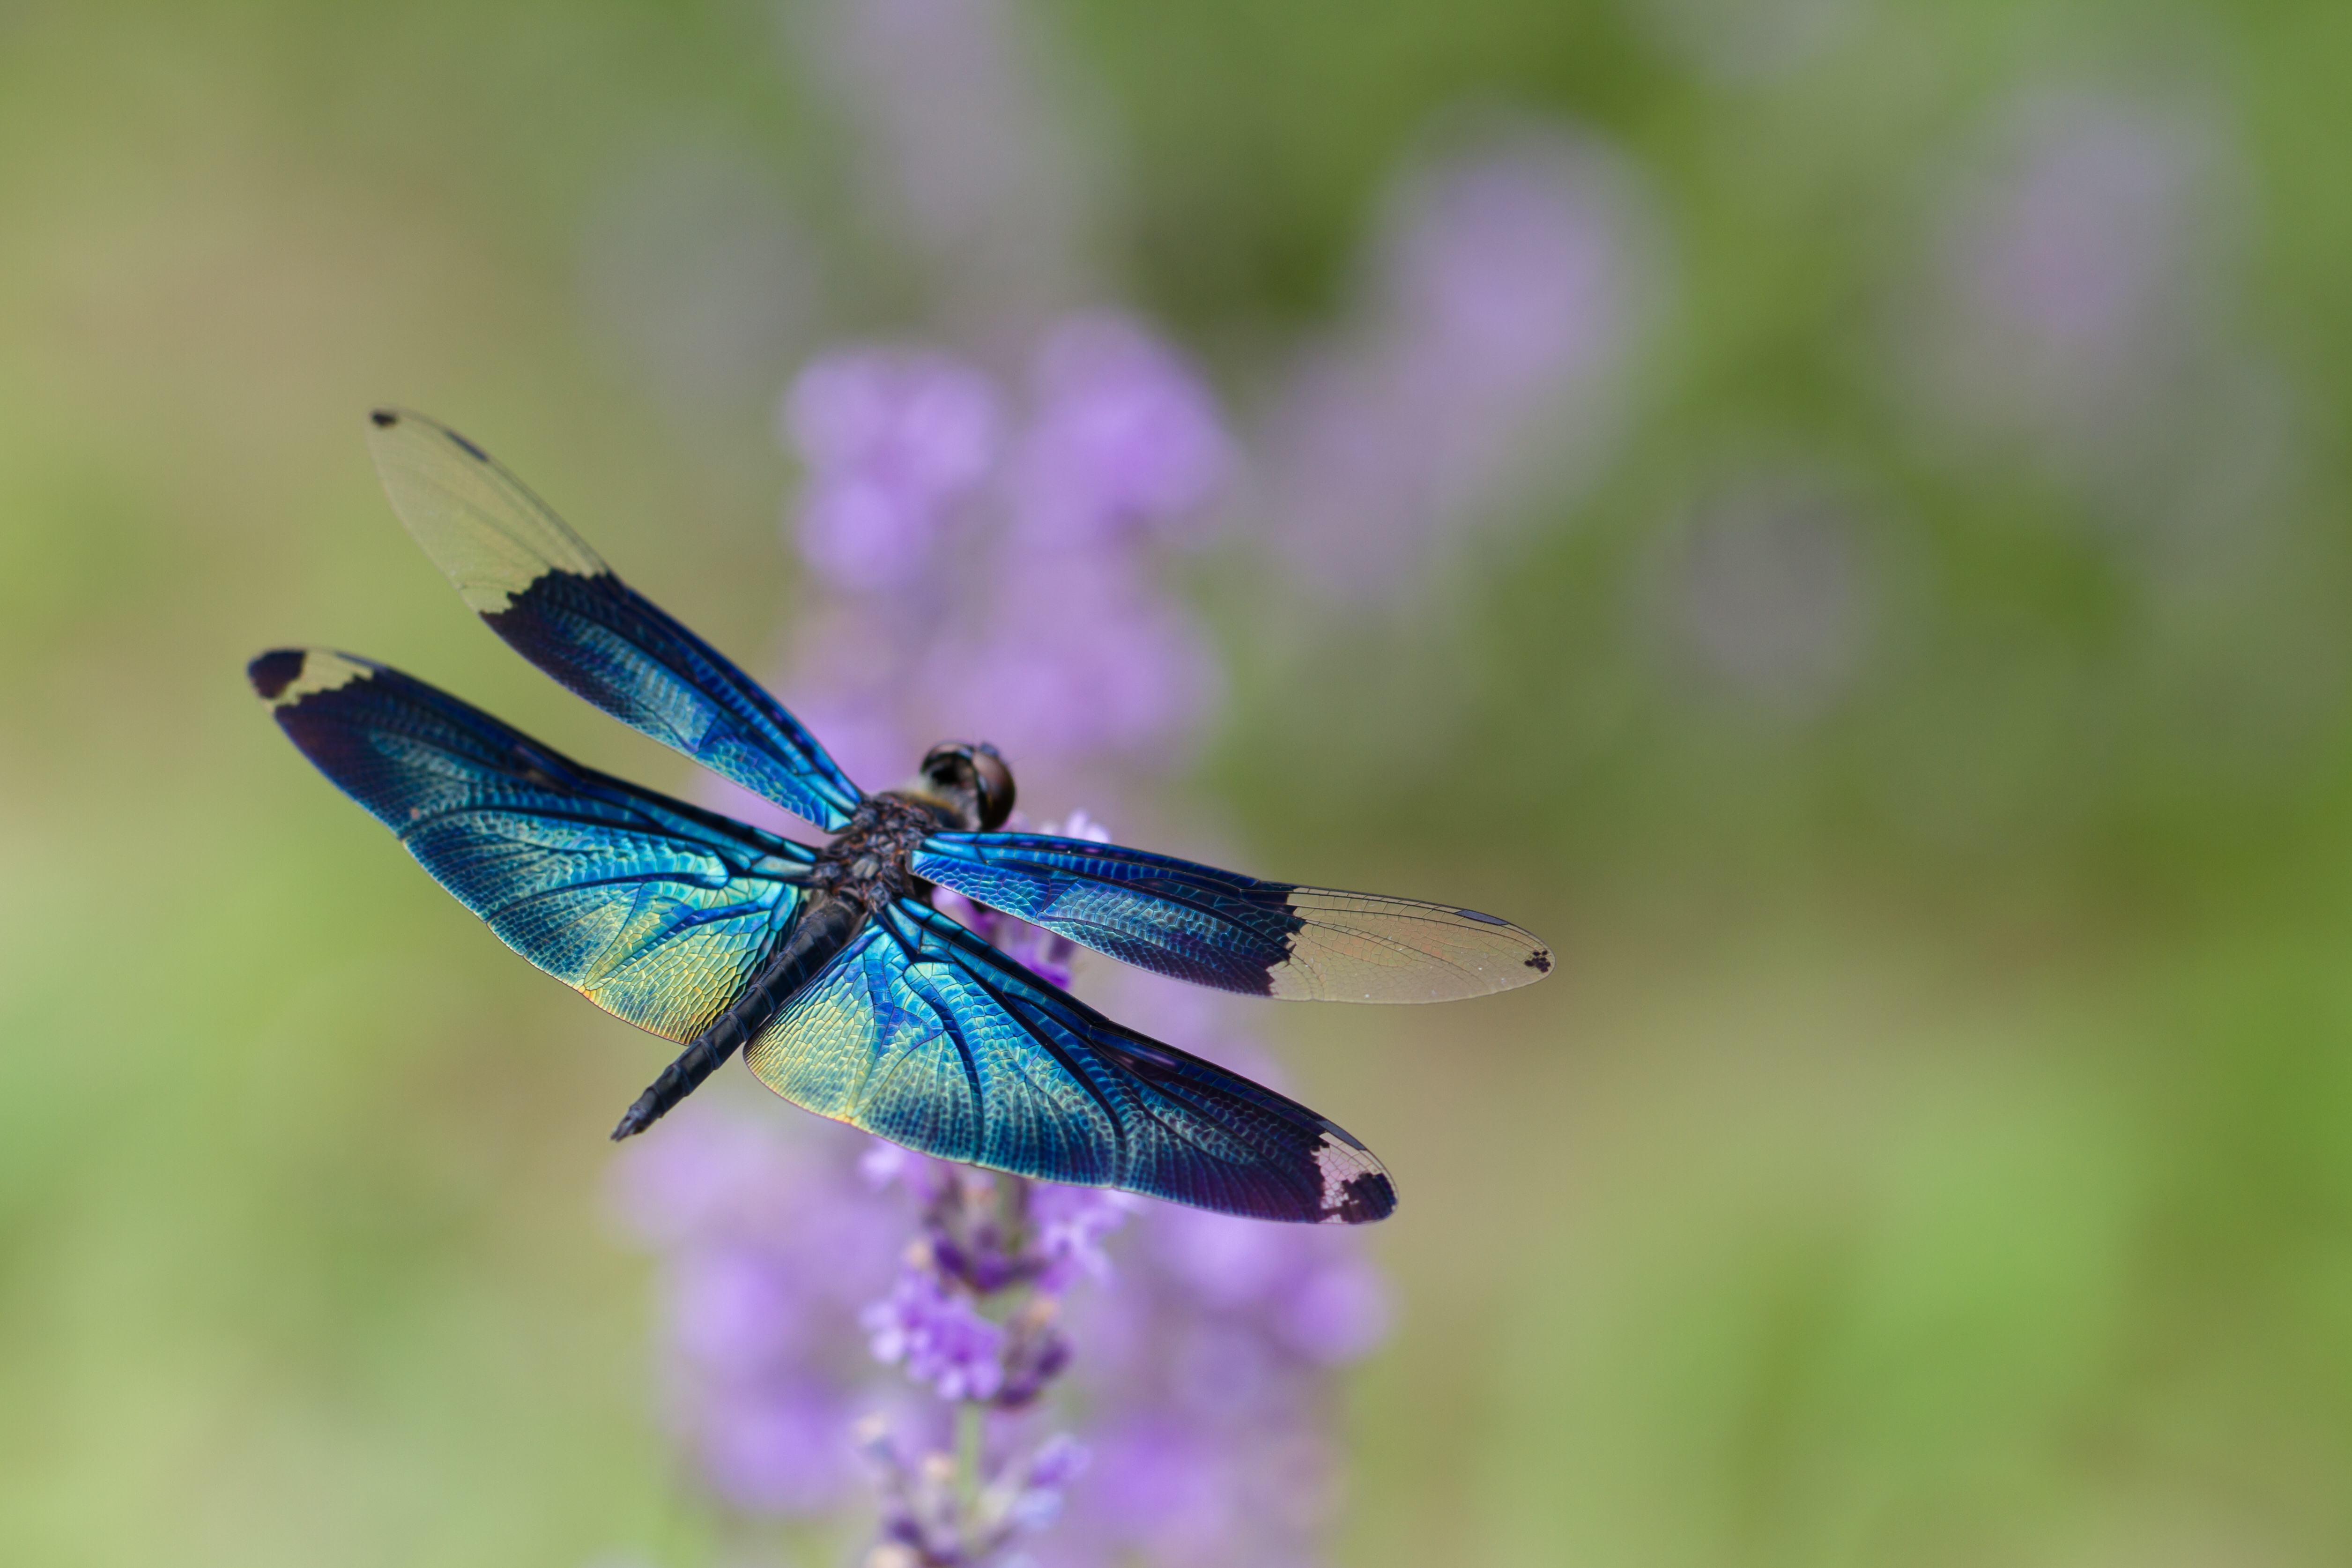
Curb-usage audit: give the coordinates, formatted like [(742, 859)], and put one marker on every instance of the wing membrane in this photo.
[(1235, 932), (923, 1033), (655, 910), (542, 589)]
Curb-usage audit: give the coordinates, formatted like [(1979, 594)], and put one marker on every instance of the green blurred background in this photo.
[(1937, 1146)]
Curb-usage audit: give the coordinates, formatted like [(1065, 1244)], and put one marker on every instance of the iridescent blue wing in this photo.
[(921, 1033), (1217, 928), (540, 587), (657, 911)]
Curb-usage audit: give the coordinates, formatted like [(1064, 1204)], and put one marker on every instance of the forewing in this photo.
[(526, 573), (657, 911), (923, 1033), (1237, 933)]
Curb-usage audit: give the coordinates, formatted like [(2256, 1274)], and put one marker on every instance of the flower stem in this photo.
[(970, 1413)]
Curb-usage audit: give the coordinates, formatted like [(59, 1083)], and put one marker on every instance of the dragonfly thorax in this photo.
[(960, 787), (866, 862)]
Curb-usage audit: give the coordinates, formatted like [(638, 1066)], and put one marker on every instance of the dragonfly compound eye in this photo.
[(996, 792)]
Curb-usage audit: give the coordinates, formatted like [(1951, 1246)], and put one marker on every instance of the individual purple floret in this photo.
[(937, 1334), (1072, 1225)]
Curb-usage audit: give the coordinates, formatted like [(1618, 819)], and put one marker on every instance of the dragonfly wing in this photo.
[(1237, 933), (542, 589), (657, 911), (921, 1033)]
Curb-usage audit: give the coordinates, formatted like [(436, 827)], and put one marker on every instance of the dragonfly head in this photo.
[(973, 780)]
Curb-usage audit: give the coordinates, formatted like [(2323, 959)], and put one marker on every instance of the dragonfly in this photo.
[(827, 967)]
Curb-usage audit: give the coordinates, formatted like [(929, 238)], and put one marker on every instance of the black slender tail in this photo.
[(681, 1078), (823, 929)]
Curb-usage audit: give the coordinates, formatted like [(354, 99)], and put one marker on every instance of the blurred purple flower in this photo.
[(2081, 245), (1159, 1486), (767, 1247), (1206, 1357), (893, 440), (2074, 307), (1175, 1493), (1505, 271), (1124, 435), (776, 1448), (1060, 1459), (1508, 288), (732, 1308), (1051, 637), (1338, 1313), (1072, 1225), (1080, 653)]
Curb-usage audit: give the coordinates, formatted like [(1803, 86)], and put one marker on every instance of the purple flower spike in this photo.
[(893, 440), (1126, 435)]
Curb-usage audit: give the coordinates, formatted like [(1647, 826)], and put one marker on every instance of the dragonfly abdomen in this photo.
[(823, 928)]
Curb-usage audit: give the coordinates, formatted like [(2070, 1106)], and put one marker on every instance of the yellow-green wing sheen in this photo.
[(657, 911)]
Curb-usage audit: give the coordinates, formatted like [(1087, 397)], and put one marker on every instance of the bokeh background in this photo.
[(1879, 607)]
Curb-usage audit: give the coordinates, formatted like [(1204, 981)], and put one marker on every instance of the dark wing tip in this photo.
[(1356, 1190), (274, 671), (1363, 1199), (1540, 960), (383, 418)]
